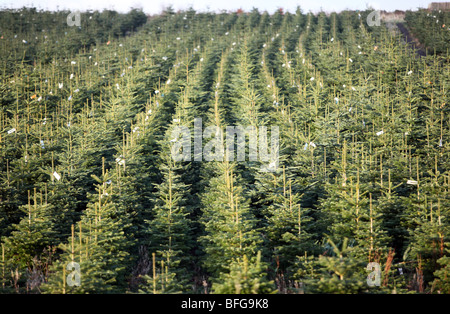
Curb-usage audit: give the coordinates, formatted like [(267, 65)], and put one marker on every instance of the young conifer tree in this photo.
[(30, 245), (337, 272), (229, 224), (162, 279), (230, 232), (169, 229), (245, 277), (101, 246)]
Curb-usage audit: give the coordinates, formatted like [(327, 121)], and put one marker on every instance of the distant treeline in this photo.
[(56, 36)]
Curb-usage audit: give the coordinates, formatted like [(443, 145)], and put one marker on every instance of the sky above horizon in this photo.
[(157, 6)]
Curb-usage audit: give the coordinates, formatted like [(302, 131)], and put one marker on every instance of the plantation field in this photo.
[(92, 200)]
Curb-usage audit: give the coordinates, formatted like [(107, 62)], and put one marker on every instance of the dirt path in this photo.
[(413, 42)]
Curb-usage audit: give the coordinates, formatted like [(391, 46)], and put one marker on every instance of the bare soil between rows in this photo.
[(411, 40)]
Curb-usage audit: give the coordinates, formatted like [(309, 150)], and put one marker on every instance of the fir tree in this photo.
[(31, 241), (338, 272), (228, 222), (244, 277), (101, 248), (169, 229)]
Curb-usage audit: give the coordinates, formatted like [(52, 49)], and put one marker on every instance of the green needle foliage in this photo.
[(92, 200)]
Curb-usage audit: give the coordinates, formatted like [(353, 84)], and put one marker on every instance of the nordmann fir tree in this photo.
[(229, 224), (169, 229), (332, 78), (101, 247), (29, 247)]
